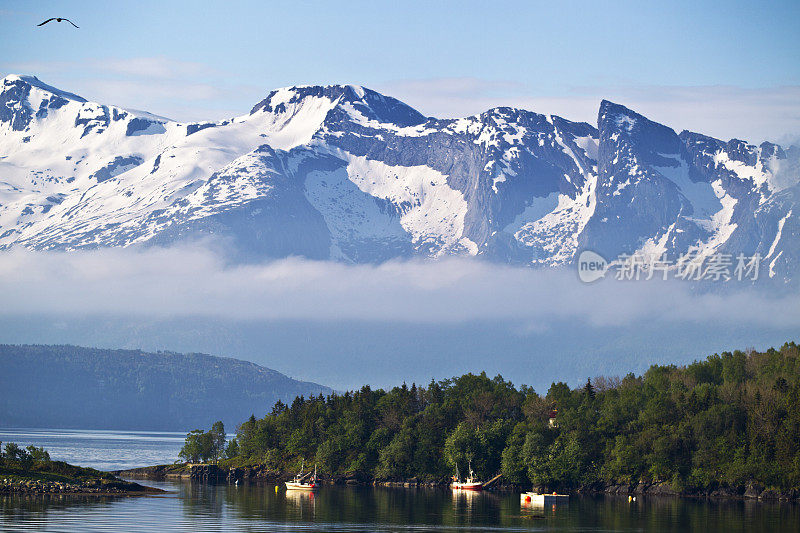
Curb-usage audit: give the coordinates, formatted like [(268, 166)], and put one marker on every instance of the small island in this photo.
[(31, 471)]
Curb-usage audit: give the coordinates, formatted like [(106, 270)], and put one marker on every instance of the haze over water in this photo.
[(101, 449)]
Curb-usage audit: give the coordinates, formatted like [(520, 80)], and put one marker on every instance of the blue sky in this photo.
[(726, 68)]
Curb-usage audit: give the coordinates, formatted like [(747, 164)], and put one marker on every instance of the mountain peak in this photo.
[(370, 104), (619, 116), (617, 120), (22, 80)]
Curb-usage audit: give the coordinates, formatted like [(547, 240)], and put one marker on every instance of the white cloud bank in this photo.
[(193, 281)]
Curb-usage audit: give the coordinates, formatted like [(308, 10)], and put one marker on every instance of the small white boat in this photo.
[(539, 500), (301, 482), (468, 484)]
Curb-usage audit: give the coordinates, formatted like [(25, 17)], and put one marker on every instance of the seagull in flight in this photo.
[(57, 19)]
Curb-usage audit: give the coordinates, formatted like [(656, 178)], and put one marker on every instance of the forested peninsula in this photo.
[(728, 425)]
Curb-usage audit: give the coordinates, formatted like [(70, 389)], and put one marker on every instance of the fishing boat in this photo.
[(301, 481), (468, 484)]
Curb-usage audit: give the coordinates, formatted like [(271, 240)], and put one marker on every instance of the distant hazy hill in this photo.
[(72, 386)]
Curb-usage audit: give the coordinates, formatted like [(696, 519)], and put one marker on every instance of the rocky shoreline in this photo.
[(753, 491), (116, 488), (261, 474)]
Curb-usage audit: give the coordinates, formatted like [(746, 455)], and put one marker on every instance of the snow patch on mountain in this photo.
[(421, 201)]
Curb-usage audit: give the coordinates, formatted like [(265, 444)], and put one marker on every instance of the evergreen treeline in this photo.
[(204, 445), (15, 456), (723, 422)]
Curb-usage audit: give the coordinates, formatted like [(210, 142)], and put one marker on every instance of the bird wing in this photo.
[(46, 21), (71, 22)]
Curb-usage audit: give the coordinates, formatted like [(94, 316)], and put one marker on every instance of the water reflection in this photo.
[(531, 508), (303, 503), (17, 508), (251, 507), (468, 503)]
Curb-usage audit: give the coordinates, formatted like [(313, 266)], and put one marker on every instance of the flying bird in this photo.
[(57, 19)]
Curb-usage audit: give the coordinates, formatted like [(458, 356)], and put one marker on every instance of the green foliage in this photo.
[(394, 434), (203, 446), (16, 457), (13, 452), (34, 464), (217, 439), (232, 450), (725, 421), (479, 445), (38, 455)]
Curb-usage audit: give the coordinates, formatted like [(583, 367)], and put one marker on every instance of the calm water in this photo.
[(202, 507), (104, 450)]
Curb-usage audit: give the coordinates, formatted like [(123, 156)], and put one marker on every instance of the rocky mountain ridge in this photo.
[(345, 173)]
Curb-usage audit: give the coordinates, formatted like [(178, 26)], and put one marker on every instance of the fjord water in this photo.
[(101, 449), (193, 507), (203, 507)]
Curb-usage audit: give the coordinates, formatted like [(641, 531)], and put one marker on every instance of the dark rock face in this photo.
[(93, 120), (119, 165), (14, 107), (662, 489), (143, 126), (54, 102), (725, 492), (634, 200), (194, 128)]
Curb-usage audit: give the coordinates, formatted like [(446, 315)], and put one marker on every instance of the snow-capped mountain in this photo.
[(346, 173)]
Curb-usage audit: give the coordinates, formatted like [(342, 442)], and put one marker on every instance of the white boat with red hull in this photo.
[(468, 484), (302, 482)]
